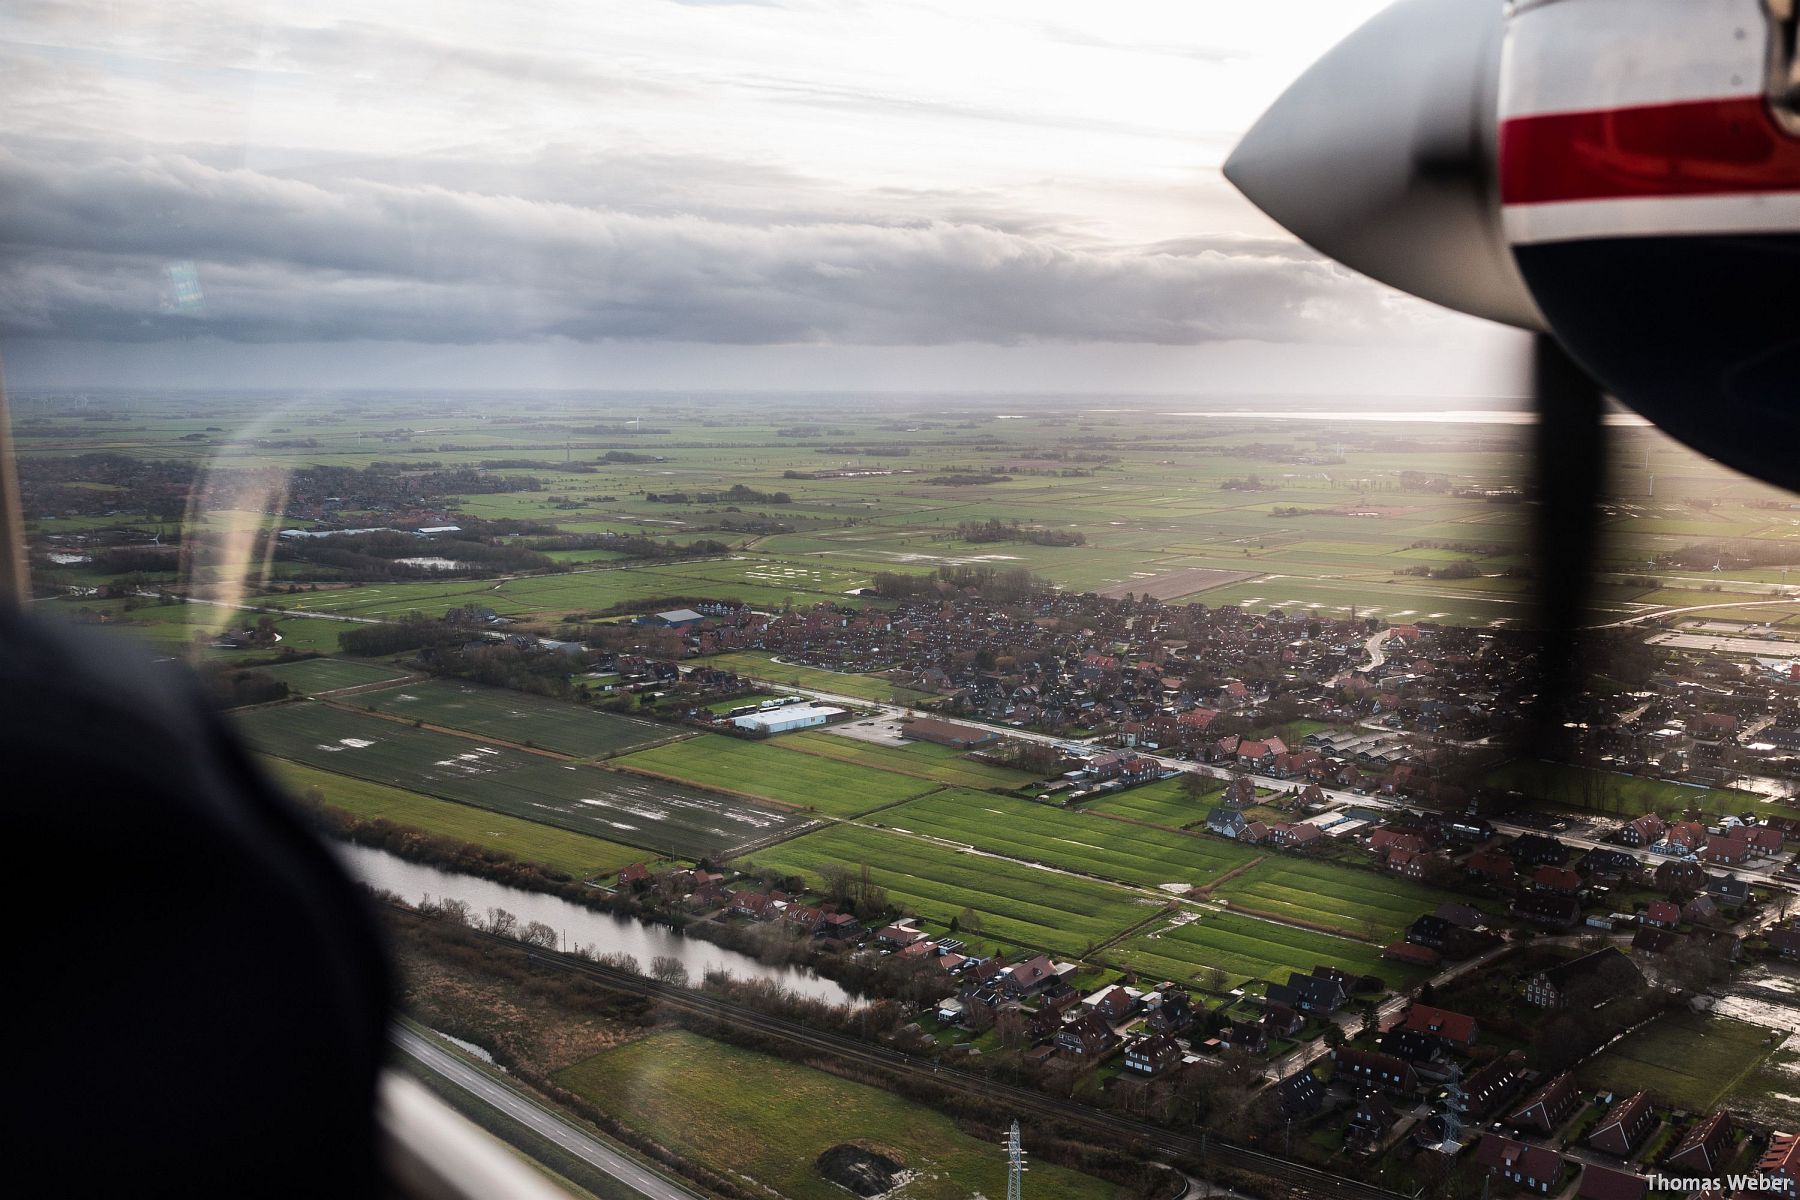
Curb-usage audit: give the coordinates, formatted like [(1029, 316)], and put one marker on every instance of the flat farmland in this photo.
[(1017, 905), (1334, 895), (1246, 948), (1173, 584), (1068, 839), (666, 817), (756, 1116), (765, 769), (941, 763), (578, 854), (1160, 803), (314, 675), (516, 717), (1683, 1059), (758, 665)]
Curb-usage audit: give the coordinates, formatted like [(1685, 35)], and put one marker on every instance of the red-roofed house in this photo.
[(1644, 831), (1559, 881), (1663, 914), (1531, 1167), (1728, 850), (1622, 1129), (1702, 1148), (1453, 1027), (1782, 1159), (1545, 1108), (1604, 1183), (1492, 865)]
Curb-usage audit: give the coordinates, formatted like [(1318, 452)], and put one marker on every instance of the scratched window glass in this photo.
[(927, 600)]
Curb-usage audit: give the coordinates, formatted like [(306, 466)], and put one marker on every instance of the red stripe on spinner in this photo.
[(1693, 148)]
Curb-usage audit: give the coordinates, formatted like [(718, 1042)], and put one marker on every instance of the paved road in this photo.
[(540, 1120)]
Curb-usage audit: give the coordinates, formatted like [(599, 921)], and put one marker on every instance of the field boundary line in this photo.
[(1206, 889), (1126, 933), (891, 805), (379, 685), (660, 852), (854, 762), (466, 735), (1295, 922), (664, 777)]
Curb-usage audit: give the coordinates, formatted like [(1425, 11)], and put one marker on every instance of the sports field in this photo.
[(765, 769), (1683, 1059), (578, 854), (1016, 905), (764, 1118), (516, 717), (311, 676), (941, 763), (1068, 839), (669, 818), (757, 665), (1246, 948)]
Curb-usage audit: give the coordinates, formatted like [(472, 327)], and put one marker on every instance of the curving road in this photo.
[(540, 1120)]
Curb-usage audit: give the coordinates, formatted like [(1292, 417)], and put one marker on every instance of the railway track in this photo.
[(1304, 1181)]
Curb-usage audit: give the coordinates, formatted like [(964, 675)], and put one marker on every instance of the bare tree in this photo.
[(539, 934), (620, 961), (457, 911), (502, 922), (666, 968)]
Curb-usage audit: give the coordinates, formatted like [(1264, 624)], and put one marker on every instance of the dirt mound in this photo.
[(859, 1169)]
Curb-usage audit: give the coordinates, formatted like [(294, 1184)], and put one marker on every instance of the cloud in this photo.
[(90, 237)]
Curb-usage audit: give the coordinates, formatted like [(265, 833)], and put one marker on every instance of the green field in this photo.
[(1246, 949), (578, 854), (757, 665), (1160, 803), (763, 1118), (1069, 839), (175, 627), (1017, 905), (941, 763), (516, 717), (314, 675), (1683, 1059), (1568, 786), (765, 769), (1365, 903), (668, 818)]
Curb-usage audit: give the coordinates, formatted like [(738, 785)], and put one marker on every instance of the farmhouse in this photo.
[(1603, 974)]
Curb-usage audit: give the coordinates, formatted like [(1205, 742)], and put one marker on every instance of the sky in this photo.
[(961, 195)]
